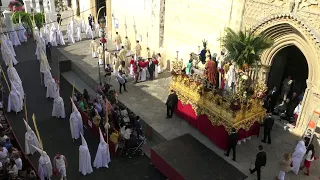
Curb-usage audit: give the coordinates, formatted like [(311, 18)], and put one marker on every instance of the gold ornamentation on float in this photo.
[(221, 111)]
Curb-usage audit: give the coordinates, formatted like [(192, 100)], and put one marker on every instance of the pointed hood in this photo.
[(27, 125), (101, 137), (19, 19), (43, 153), (74, 107), (84, 142)]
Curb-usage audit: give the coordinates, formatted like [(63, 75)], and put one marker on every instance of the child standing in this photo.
[(284, 166), (310, 157)]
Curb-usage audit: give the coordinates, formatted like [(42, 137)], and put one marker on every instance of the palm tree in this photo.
[(244, 47)]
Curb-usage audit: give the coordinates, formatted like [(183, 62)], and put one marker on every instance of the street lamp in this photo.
[(103, 41)]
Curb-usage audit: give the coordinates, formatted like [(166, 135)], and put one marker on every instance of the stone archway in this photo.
[(287, 30)]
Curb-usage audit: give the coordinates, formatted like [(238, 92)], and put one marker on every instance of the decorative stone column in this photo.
[(263, 73), (27, 6), (303, 117)]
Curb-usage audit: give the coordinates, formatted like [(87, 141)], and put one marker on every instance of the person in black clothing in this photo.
[(292, 104), (171, 103), (90, 20), (272, 97), (268, 123), (48, 51), (261, 160), (151, 68), (233, 140), (137, 126)]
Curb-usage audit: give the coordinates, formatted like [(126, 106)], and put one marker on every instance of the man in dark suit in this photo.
[(261, 160), (171, 103), (268, 123), (233, 140), (151, 68), (272, 99)]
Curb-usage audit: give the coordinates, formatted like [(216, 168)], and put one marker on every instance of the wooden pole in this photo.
[(25, 107), (37, 131), (4, 76)]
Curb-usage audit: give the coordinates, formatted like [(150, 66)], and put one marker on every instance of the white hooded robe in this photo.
[(30, 139), (58, 108), (52, 89), (84, 158), (53, 35), (76, 123), (45, 165), (298, 156), (15, 102), (102, 158)]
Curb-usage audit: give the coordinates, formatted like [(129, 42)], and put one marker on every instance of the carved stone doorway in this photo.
[(287, 30), (289, 61)]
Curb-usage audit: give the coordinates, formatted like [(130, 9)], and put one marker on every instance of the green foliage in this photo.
[(39, 19), (245, 47), (25, 18)]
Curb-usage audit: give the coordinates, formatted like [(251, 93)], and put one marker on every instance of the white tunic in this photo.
[(76, 124), (19, 88), (89, 32), (58, 108), (31, 139), (84, 160), (143, 74), (52, 89), (13, 74), (53, 36), (297, 156), (78, 34), (10, 46), (44, 167), (60, 39), (15, 102), (70, 34), (21, 33), (102, 158), (14, 38)]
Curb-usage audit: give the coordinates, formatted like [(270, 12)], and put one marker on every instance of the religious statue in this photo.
[(231, 79), (203, 52), (211, 73), (286, 87)]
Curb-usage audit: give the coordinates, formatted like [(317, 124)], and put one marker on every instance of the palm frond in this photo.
[(245, 47)]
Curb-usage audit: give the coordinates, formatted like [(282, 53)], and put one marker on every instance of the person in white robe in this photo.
[(89, 33), (100, 54), (44, 64), (21, 31), (60, 164), (15, 102), (102, 158), (53, 35), (231, 79), (7, 55), (14, 38), (94, 48), (97, 30), (52, 89), (45, 165), (13, 74), (41, 46), (60, 38), (9, 45), (58, 108), (46, 76), (30, 139), (116, 60), (18, 86), (107, 59), (83, 26), (76, 123), (78, 38), (84, 158), (70, 34), (298, 155)]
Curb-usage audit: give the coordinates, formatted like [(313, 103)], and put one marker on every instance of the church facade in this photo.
[(176, 28)]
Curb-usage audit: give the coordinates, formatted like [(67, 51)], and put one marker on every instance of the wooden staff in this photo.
[(37, 131), (4, 76), (25, 107)]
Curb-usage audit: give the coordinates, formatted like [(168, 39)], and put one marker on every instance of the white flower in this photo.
[(244, 77)]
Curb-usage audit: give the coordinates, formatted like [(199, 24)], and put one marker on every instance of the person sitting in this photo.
[(18, 161), (125, 132), (7, 144), (96, 118), (12, 170), (81, 104), (31, 175)]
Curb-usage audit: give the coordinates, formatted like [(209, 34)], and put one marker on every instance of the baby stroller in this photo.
[(133, 149)]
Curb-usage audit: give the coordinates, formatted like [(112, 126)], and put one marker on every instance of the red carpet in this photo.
[(217, 134)]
